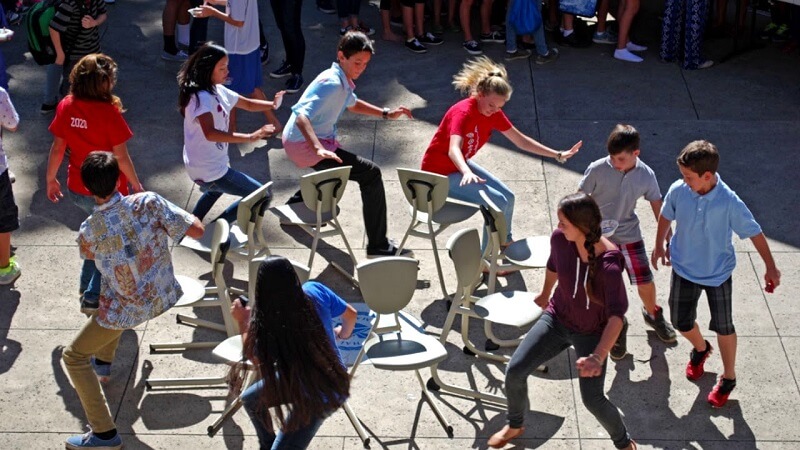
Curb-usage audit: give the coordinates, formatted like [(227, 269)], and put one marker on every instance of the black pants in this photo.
[(368, 176), (287, 18), (198, 31)]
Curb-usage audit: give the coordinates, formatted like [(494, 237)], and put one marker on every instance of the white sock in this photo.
[(635, 47), (566, 32), (624, 55), (183, 34)]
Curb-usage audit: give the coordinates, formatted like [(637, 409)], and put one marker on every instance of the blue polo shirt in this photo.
[(701, 249), (323, 102)]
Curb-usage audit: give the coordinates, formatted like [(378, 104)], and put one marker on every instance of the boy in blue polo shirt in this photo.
[(616, 182), (707, 211)]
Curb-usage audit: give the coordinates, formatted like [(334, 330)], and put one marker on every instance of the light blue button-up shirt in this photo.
[(323, 102), (701, 249)]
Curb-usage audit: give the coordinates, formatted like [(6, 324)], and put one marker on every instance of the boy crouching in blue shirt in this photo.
[(127, 239), (706, 212)]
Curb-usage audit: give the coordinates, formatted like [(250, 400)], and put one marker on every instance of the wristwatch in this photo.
[(385, 113)]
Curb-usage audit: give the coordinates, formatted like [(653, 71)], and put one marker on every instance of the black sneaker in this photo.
[(390, 250), (89, 306), (620, 348), (344, 30), (326, 6), (294, 84), (264, 53), (472, 47), (573, 40), (663, 329), (283, 71), (551, 56), (430, 39), (494, 37), (415, 46), (47, 109), (519, 53)]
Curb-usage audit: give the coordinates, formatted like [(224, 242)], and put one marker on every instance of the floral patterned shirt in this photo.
[(127, 238)]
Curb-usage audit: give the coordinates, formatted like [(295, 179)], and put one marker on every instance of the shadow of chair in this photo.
[(247, 235), (431, 211), (321, 193), (515, 309), (528, 253), (388, 284)]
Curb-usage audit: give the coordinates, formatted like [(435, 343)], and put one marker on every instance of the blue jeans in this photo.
[(498, 192), (233, 183), (511, 32), (546, 339), (90, 276), (296, 440)]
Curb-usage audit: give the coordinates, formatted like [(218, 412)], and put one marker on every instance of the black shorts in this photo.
[(9, 213), (683, 298)]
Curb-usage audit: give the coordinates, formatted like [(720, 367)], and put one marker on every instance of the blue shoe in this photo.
[(103, 371), (89, 440)]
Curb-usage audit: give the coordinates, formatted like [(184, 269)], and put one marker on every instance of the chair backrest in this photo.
[(388, 284), (303, 274), (324, 188), (421, 187), (253, 206), (220, 244), (493, 218), (464, 248)]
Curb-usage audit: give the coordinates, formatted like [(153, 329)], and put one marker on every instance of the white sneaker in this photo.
[(623, 54), (180, 56), (635, 47)]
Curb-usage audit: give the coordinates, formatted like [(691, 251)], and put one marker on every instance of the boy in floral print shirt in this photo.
[(127, 238)]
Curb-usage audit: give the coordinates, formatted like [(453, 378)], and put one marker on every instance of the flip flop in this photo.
[(499, 440)]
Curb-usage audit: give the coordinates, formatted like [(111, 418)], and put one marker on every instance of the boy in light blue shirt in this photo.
[(707, 212)]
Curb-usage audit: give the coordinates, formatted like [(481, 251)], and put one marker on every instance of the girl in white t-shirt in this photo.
[(244, 52), (206, 105)]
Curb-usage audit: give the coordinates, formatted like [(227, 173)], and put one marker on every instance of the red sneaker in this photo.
[(719, 395), (694, 369)]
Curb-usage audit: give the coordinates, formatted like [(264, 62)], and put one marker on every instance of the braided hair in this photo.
[(581, 211), (483, 76)]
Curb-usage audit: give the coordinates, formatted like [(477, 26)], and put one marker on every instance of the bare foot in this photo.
[(391, 37), (501, 438)]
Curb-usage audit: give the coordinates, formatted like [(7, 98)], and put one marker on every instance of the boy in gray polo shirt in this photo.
[(616, 182)]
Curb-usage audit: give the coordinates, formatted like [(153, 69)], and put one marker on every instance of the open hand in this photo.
[(565, 155), (469, 178), (54, 191), (400, 111), (327, 154)]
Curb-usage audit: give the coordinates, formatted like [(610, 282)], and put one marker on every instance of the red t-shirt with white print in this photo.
[(465, 120), (87, 126)]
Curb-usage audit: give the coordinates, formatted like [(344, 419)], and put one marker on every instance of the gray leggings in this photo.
[(546, 339)]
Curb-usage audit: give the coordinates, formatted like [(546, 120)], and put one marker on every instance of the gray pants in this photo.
[(546, 339), (56, 83)]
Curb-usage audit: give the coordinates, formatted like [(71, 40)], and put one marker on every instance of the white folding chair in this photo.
[(431, 211), (320, 207), (515, 309), (528, 253), (247, 234), (388, 285)]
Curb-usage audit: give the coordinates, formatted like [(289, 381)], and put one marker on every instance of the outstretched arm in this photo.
[(210, 11), (212, 134), (531, 145), (368, 109), (257, 105)]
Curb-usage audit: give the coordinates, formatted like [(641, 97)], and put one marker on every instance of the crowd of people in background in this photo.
[(127, 275)]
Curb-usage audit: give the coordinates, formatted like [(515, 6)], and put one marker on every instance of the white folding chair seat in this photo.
[(321, 193), (515, 309), (388, 285), (247, 234), (431, 211)]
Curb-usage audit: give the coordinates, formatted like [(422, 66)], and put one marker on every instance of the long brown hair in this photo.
[(93, 78), (196, 73), (298, 363), (582, 211)]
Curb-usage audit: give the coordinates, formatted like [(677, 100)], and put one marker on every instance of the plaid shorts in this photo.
[(683, 298), (636, 263)]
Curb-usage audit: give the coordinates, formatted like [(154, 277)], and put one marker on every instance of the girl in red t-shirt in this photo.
[(89, 119), (468, 124)]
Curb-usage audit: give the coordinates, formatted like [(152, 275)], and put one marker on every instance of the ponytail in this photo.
[(482, 76)]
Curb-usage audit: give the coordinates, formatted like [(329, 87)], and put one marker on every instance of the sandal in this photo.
[(501, 438)]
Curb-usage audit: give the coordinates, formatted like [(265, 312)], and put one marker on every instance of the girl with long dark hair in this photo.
[(289, 336), (586, 311)]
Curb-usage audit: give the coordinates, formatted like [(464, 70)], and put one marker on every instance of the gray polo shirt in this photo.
[(616, 193)]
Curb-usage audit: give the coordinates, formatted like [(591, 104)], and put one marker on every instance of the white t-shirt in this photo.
[(242, 40), (205, 160)]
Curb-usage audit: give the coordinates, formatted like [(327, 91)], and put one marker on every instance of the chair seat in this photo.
[(193, 291), (238, 239), (407, 350), (529, 252), (230, 349), (513, 308), (299, 214), (451, 212)]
